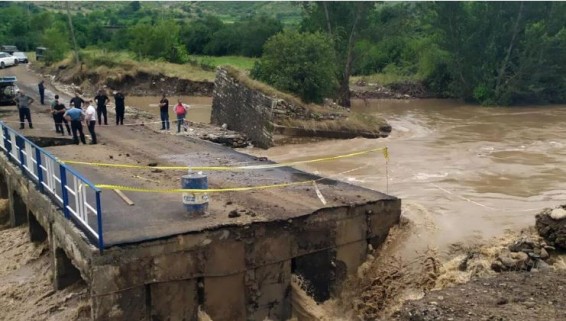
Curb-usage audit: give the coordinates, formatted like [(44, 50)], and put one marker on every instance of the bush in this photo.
[(301, 63)]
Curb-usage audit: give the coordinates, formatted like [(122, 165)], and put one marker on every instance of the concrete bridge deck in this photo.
[(160, 264), (158, 215)]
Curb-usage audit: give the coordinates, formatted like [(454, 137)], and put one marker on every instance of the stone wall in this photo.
[(242, 109), (254, 113)]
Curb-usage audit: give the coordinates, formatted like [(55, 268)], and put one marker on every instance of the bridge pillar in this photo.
[(4, 211), (36, 232), (18, 210), (129, 304), (64, 273), (4, 193)]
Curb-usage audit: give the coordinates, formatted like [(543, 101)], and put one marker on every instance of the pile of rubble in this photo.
[(524, 254), (551, 224)]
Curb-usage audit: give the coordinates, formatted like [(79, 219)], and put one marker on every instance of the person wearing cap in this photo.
[(23, 102), (75, 116), (60, 119), (101, 101), (90, 120), (120, 107), (58, 110)]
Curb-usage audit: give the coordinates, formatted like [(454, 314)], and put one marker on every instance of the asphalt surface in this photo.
[(157, 215)]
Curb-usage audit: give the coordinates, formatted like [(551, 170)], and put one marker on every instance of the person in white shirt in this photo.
[(90, 120)]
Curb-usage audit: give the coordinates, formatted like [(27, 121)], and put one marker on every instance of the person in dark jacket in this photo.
[(60, 119), (58, 110), (101, 101), (76, 101), (164, 112), (41, 87), (120, 107)]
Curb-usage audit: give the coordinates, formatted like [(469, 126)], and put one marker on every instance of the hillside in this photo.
[(285, 11)]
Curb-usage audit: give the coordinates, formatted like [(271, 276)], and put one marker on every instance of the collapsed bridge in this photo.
[(154, 261)]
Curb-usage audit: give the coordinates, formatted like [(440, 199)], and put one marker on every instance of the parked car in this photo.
[(21, 56), (40, 53), (8, 49), (8, 90), (7, 60)]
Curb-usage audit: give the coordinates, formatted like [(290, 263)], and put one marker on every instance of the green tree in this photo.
[(300, 63), (343, 22), (196, 35), (504, 53), (158, 41), (57, 39)]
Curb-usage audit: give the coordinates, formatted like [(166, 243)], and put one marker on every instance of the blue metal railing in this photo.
[(77, 196)]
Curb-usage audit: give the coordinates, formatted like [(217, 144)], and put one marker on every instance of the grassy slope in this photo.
[(119, 64), (228, 11)]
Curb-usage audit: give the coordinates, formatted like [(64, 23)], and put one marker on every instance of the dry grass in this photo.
[(385, 79), (116, 65)]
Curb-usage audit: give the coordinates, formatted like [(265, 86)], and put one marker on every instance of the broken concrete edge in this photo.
[(304, 132), (197, 245)]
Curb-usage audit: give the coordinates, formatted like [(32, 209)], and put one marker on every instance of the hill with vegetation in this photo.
[(491, 53)]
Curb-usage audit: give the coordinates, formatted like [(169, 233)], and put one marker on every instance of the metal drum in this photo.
[(195, 203)]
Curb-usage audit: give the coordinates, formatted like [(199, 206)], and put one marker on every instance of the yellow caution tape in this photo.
[(386, 153), (210, 190), (232, 168)]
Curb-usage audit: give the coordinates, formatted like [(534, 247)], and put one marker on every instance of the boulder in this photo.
[(551, 225)]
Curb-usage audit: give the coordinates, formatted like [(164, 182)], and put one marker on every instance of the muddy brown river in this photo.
[(465, 173)]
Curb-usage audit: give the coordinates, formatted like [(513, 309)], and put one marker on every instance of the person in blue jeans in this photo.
[(76, 116), (164, 112), (181, 112)]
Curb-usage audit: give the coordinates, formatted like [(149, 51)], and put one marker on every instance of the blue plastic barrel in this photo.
[(195, 203)]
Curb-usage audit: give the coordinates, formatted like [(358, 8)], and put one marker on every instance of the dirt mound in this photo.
[(405, 90), (509, 296), (136, 83), (551, 224)]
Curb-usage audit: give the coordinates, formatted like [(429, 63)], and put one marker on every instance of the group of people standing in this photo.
[(77, 114), (80, 110)]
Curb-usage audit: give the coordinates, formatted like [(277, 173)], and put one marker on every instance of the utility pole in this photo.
[(73, 35)]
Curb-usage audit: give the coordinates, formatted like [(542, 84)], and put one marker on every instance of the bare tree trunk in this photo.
[(73, 35), (344, 91), (503, 68), (328, 25)]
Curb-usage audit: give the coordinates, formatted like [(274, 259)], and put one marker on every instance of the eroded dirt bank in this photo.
[(137, 83)]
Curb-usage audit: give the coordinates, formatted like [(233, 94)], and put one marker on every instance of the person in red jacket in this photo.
[(181, 112)]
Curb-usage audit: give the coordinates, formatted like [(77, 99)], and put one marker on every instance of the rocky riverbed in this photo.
[(524, 279)]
